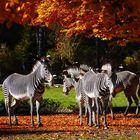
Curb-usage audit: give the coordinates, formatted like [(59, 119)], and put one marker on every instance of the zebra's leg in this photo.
[(14, 104), (136, 102), (129, 104), (88, 103), (37, 112), (104, 107), (111, 111), (86, 109), (110, 107), (7, 103), (8, 108), (89, 115), (97, 109), (94, 113), (31, 111), (104, 119), (80, 113)]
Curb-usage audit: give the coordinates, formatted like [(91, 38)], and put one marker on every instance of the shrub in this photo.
[(47, 106)]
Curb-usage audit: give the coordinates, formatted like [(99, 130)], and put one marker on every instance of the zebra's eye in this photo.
[(68, 76)]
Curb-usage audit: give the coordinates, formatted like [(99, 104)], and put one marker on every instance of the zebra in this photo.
[(99, 88), (71, 79), (26, 87), (124, 81)]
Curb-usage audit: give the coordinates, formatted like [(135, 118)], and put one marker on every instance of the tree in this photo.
[(100, 18), (15, 11)]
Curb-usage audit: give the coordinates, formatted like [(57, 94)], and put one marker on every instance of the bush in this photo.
[(47, 106)]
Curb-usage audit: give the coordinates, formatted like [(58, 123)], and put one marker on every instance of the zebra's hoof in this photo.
[(95, 124), (113, 118), (81, 124), (124, 114), (32, 125), (40, 125), (16, 124), (105, 128), (137, 111), (97, 127), (90, 124)]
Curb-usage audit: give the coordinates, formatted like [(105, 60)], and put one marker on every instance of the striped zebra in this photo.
[(71, 79), (99, 88), (124, 81), (26, 87)]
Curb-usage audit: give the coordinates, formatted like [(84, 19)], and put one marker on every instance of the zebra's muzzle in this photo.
[(65, 93)]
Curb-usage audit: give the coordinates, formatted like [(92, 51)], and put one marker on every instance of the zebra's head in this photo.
[(109, 84), (107, 68), (46, 70), (68, 82)]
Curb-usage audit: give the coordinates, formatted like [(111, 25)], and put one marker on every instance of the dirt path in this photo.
[(69, 124)]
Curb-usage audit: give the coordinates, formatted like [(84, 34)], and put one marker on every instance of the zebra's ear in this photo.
[(49, 58), (76, 64), (45, 60), (81, 75), (42, 59), (65, 72), (77, 79)]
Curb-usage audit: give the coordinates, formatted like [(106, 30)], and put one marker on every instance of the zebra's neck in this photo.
[(79, 89), (37, 77), (116, 79)]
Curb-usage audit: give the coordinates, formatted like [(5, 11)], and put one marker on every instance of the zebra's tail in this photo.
[(139, 88), (7, 96)]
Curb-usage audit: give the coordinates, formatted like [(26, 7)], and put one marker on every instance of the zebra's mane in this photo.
[(107, 67), (85, 68), (75, 70), (36, 66)]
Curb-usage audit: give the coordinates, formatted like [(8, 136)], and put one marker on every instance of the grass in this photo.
[(56, 94)]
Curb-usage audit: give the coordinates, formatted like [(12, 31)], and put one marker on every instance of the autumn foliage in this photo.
[(106, 19), (16, 11), (66, 125)]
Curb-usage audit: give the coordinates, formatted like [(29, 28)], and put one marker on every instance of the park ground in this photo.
[(66, 127)]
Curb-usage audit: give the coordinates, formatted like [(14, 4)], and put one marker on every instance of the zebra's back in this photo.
[(17, 85)]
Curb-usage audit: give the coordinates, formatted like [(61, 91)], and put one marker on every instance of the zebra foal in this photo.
[(26, 87)]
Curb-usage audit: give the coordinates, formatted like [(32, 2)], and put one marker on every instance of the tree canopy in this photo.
[(105, 19)]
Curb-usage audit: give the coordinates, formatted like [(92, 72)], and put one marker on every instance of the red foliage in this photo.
[(16, 11), (104, 19), (68, 123)]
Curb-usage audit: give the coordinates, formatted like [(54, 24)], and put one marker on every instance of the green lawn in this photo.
[(56, 94)]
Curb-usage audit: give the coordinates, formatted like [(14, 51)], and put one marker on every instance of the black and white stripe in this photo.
[(72, 79), (23, 87), (124, 81), (99, 87)]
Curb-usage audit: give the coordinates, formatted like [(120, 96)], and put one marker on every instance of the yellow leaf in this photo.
[(18, 9), (23, 6), (6, 5), (95, 30), (25, 16)]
